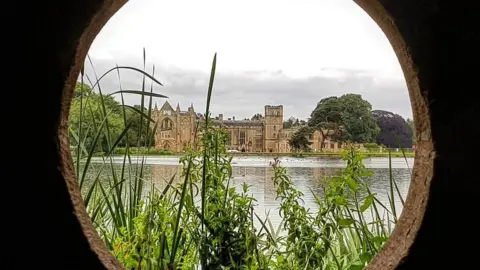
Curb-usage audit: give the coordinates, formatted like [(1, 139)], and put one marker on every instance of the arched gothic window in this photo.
[(167, 124)]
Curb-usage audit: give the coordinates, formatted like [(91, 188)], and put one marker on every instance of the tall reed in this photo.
[(204, 221)]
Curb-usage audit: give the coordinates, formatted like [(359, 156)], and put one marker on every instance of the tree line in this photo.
[(90, 108), (349, 118), (345, 118)]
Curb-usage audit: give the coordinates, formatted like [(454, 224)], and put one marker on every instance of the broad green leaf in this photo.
[(379, 240), (366, 174), (345, 221), (366, 257), (351, 183), (366, 204), (279, 258), (340, 200), (356, 267)]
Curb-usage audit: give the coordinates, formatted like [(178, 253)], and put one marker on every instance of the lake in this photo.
[(306, 173)]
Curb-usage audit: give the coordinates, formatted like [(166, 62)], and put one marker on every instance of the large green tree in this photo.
[(299, 140), (358, 123), (92, 114), (326, 118), (347, 118), (139, 134), (393, 130)]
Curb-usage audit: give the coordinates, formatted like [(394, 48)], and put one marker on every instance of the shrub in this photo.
[(205, 221), (370, 145)]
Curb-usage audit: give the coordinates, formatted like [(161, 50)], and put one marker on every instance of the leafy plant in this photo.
[(204, 220), (346, 231)]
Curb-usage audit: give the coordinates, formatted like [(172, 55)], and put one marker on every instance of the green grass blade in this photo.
[(87, 197), (392, 195), (102, 105), (127, 68), (150, 138), (406, 162), (139, 112), (403, 151), (90, 153), (176, 236), (167, 187), (137, 92), (81, 146), (264, 226), (204, 180), (120, 138), (80, 122), (122, 173), (113, 213)]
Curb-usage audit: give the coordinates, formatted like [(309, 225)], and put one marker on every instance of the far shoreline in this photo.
[(326, 155)]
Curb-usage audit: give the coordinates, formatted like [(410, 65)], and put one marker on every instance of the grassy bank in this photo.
[(205, 221), (143, 151)]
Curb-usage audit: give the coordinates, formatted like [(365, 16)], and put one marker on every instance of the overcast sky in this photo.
[(278, 52)]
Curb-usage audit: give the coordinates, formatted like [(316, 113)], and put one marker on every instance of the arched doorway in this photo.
[(167, 145)]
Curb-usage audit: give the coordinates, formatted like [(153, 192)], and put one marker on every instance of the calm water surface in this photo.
[(306, 173)]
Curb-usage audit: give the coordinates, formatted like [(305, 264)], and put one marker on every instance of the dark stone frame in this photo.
[(437, 43)]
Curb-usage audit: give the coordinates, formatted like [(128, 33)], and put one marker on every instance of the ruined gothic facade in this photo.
[(176, 130)]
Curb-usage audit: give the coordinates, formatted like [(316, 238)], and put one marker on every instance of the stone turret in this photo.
[(190, 109), (273, 125)]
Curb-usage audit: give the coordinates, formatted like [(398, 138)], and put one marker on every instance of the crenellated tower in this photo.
[(273, 126)]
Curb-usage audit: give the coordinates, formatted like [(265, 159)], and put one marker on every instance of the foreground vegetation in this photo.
[(204, 221)]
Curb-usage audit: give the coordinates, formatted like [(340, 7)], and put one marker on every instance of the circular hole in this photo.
[(169, 145)]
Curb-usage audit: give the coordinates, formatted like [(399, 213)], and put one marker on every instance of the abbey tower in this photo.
[(272, 127)]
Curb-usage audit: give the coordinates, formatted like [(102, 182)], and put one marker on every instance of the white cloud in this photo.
[(258, 42)]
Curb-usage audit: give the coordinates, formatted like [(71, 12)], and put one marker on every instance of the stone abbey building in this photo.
[(176, 130)]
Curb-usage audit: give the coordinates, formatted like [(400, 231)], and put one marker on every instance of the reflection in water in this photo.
[(308, 174), (306, 178)]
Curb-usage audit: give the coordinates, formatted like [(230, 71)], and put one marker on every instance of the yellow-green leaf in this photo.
[(345, 221), (366, 204), (351, 183)]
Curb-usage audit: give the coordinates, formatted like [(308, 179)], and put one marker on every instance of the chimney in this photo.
[(234, 118), (220, 116)]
